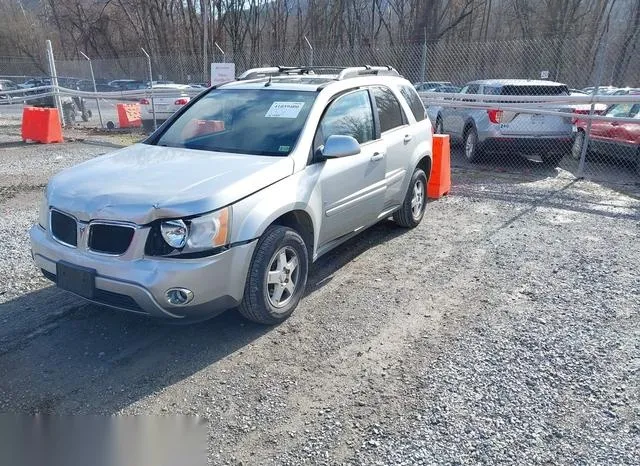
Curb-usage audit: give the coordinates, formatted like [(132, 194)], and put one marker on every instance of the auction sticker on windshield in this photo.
[(284, 110)]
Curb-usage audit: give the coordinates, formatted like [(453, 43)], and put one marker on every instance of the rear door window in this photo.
[(414, 101), (389, 110)]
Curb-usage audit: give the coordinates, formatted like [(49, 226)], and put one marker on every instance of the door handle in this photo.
[(407, 138), (377, 156), (615, 123)]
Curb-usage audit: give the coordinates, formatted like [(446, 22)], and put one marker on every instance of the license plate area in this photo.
[(537, 119), (77, 279)]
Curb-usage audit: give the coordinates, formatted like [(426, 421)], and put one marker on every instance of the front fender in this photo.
[(253, 214)]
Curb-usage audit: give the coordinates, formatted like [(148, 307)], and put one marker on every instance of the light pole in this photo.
[(95, 89)]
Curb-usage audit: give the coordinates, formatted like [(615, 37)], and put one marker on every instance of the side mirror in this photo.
[(339, 146)]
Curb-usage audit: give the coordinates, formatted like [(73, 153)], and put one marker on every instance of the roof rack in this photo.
[(356, 71), (343, 72)]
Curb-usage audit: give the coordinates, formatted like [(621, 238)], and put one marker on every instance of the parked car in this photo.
[(620, 140), (87, 86), (35, 82), (6, 85), (446, 90), (485, 130), (128, 84), (627, 91), (165, 105), (227, 204), (584, 109), (155, 83), (430, 85)]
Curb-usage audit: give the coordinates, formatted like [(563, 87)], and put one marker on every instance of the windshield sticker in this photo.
[(283, 148), (284, 110)]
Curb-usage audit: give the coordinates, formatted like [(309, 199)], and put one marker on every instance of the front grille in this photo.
[(63, 228), (121, 301), (110, 239)]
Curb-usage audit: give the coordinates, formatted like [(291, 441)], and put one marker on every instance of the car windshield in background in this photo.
[(245, 121)]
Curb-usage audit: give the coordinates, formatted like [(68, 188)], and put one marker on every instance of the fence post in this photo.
[(54, 81), (153, 102), (587, 136), (310, 51), (95, 89), (423, 69)]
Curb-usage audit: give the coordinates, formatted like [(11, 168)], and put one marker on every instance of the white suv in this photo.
[(228, 202)]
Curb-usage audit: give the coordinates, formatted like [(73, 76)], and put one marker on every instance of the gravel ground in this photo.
[(503, 329)]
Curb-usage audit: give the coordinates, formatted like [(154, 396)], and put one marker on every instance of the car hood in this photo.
[(143, 183)]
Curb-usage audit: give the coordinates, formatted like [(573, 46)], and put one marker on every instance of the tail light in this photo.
[(181, 101), (495, 116), (576, 114), (144, 101)]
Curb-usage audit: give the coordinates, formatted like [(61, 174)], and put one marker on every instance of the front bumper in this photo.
[(139, 285)]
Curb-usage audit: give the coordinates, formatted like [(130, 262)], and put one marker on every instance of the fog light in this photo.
[(179, 296)]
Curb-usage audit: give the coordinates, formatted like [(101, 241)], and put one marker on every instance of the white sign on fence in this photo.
[(544, 75), (222, 73)]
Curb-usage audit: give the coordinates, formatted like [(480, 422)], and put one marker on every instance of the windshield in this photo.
[(246, 121)]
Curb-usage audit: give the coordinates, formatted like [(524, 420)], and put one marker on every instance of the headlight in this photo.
[(198, 234), (174, 233), (43, 210)]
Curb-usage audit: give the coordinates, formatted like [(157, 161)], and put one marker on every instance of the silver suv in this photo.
[(229, 201), (484, 130)]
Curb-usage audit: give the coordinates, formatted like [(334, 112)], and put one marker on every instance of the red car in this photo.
[(617, 139)]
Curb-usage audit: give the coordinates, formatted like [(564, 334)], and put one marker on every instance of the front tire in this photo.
[(415, 202), (277, 276)]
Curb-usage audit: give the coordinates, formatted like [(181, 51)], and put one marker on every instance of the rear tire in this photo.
[(415, 202), (471, 147), (277, 276)]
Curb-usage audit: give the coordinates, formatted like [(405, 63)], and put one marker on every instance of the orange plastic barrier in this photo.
[(41, 125), (440, 180), (197, 128), (129, 115)]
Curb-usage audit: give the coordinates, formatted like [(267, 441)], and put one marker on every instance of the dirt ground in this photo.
[(504, 328)]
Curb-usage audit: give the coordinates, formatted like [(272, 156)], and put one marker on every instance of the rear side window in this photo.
[(389, 110), (414, 101), (349, 115), (535, 90)]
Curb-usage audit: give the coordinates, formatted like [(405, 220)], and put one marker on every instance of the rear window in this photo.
[(414, 101), (534, 90)]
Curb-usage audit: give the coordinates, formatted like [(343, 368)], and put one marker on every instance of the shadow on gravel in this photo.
[(87, 359)]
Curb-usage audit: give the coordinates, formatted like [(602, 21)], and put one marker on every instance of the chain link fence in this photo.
[(593, 133)]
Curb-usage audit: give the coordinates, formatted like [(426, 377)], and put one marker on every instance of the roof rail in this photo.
[(343, 72), (356, 71)]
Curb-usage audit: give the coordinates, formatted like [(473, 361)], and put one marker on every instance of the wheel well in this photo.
[(425, 165), (300, 221)]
